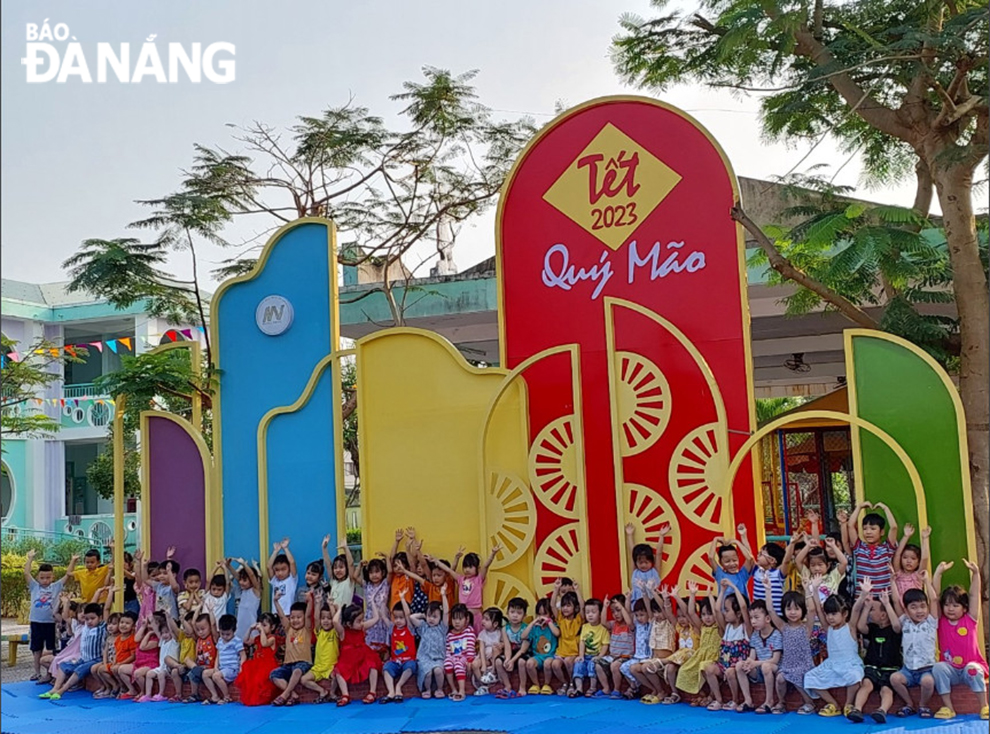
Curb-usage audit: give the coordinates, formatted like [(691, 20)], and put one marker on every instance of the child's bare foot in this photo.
[(439, 694)]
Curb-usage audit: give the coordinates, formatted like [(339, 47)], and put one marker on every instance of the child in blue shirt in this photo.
[(723, 555), (645, 577)]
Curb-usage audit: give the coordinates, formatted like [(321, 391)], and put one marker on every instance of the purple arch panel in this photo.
[(176, 494)]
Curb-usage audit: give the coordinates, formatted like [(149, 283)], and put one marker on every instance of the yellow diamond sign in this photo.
[(612, 186)]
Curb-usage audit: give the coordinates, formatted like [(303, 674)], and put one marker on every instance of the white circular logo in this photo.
[(273, 315)]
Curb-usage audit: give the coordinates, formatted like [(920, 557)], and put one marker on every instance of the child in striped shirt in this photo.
[(461, 650), (871, 553)]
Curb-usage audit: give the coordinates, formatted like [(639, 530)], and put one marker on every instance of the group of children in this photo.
[(787, 618)]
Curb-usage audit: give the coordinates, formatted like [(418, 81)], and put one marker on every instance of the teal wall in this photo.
[(15, 457)]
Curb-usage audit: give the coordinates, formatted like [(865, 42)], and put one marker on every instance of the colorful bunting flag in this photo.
[(98, 345), (126, 341), (112, 343)]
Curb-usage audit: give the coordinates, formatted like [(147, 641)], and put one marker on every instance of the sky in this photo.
[(76, 156)]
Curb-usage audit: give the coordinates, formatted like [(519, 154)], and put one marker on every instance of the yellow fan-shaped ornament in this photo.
[(554, 471), (697, 569), (500, 587), (558, 556), (698, 474), (643, 398), (510, 516), (648, 511)]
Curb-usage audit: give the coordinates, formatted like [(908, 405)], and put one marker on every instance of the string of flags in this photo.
[(62, 402), (114, 345)]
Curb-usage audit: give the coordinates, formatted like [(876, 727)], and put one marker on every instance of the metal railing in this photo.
[(82, 390)]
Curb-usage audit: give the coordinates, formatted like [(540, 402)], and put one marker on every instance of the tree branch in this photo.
[(787, 270)]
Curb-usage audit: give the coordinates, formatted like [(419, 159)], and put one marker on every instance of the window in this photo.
[(80, 497), (6, 490)]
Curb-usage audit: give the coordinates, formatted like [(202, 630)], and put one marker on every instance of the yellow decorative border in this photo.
[(300, 402), (509, 376), (721, 419), (967, 486), (213, 552), (740, 250), (853, 420), (258, 268), (195, 363)]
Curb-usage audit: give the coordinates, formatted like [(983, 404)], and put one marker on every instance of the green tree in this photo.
[(903, 84), (27, 370)]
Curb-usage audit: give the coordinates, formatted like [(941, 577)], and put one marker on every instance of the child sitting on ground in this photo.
[(401, 665), (432, 651), (542, 634), (909, 559), (101, 671), (342, 572), (325, 658), (44, 593), (204, 654), (253, 682), (461, 650), (962, 660), (74, 671), (622, 643), (690, 675), (881, 631), (593, 645), (298, 648), (124, 653), (491, 648), (871, 553), (687, 642), (919, 637), (569, 623), (796, 627), (358, 662), (168, 661), (765, 649), (516, 646), (732, 616), (230, 658), (844, 667)]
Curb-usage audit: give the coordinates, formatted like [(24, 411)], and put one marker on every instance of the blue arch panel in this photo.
[(259, 372)]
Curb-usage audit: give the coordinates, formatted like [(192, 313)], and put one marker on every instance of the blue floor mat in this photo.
[(22, 712)]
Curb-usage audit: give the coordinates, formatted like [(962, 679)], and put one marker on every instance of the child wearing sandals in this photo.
[(432, 651), (881, 631), (298, 648), (358, 662), (569, 623), (326, 656), (962, 659), (517, 648), (662, 643), (844, 667), (401, 665), (622, 644), (491, 648), (592, 648), (732, 616), (764, 656), (687, 643), (204, 655), (796, 629), (638, 669), (146, 657), (461, 650), (542, 634), (919, 634), (702, 616), (230, 658), (168, 662), (253, 682)]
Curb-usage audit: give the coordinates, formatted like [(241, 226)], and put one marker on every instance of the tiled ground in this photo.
[(21, 712)]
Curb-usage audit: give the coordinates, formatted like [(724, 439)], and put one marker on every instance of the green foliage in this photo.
[(23, 379), (769, 408), (874, 255), (354, 536), (99, 473)]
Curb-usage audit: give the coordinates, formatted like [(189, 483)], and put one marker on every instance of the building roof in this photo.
[(51, 295)]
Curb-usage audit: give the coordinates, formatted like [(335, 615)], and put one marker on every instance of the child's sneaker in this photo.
[(481, 691), (487, 678)]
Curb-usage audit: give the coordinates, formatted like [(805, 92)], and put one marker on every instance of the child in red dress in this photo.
[(357, 662), (256, 689)]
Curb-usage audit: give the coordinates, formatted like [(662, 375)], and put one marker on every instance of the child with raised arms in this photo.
[(844, 667), (298, 649), (732, 617), (622, 644), (44, 593), (687, 642), (690, 675), (342, 573), (247, 593), (401, 664), (357, 662), (282, 576), (881, 631), (471, 581), (432, 650), (253, 682), (910, 559), (796, 627), (645, 577), (168, 661), (871, 552), (962, 660), (726, 563)]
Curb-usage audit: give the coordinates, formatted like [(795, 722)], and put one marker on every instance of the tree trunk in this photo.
[(954, 185)]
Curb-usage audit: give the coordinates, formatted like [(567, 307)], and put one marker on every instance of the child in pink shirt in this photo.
[(962, 660), (471, 583)]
